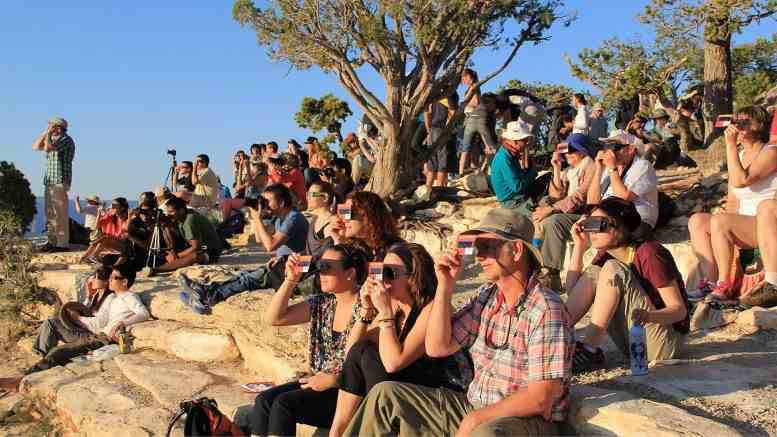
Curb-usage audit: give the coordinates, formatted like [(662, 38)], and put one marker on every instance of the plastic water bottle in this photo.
[(536, 241), (638, 350)]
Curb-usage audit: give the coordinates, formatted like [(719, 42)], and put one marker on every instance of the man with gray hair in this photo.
[(57, 176)]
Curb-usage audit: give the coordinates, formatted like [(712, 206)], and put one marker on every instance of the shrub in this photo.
[(15, 194)]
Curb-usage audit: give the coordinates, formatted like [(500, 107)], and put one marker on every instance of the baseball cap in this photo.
[(59, 121), (93, 198), (619, 136), (510, 225), (581, 143), (623, 211), (517, 130)]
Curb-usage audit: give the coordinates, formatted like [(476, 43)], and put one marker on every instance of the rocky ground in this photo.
[(723, 385)]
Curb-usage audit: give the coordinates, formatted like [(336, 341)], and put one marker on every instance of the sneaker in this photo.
[(585, 360), (192, 286), (701, 291), (722, 292), (193, 301), (764, 295)]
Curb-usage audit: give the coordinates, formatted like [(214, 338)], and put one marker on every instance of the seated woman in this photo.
[(629, 282), (393, 348), (285, 170), (251, 187), (370, 220), (332, 314), (752, 178), (112, 227)]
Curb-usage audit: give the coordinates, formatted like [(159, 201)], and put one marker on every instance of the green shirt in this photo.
[(197, 227)]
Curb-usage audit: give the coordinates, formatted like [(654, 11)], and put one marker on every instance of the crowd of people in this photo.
[(389, 354)]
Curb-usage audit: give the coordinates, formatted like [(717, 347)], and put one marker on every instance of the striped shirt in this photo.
[(59, 162), (510, 347)]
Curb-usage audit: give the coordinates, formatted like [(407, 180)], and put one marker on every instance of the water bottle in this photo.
[(125, 341), (537, 240), (638, 350)]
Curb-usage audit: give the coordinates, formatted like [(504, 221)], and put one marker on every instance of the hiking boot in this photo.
[(585, 360), (193, 301), (722, 292), (764, 295), (701, 291), (685, 161)]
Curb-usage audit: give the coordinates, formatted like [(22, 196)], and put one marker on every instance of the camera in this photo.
[(279, 161), (171, 152), (594, 224), (329, 172), (254, 203)]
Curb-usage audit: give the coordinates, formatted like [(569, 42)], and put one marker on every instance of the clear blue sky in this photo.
[(134, 78)]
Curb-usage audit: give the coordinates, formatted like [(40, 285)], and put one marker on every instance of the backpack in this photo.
[(203, 418), (231, 226)]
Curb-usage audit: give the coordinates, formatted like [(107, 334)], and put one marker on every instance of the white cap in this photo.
[(517, 130), (619, 136)]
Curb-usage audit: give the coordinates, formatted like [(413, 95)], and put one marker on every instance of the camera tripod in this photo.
[(155, 246), (170, 180)]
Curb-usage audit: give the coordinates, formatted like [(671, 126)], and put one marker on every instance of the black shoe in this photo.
[(585, 360), (192, 287), (764, 295), (685, 161)]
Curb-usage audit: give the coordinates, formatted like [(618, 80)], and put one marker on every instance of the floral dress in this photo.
[(327, 347)]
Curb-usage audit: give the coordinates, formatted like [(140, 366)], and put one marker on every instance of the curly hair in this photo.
[(381, 227), (421, 279), (759, 119)]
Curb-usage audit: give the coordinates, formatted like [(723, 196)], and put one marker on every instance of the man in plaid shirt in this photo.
[(518, 334), (60, 149)]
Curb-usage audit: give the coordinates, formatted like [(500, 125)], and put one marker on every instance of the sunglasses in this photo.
[(742, 124), (116, 277), (329, 267), (489, 247), (316, 194), (392, 272)]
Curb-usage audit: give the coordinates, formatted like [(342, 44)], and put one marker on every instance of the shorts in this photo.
[(444, 160)]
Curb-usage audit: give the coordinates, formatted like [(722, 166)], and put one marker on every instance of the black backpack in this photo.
[(203, 418)]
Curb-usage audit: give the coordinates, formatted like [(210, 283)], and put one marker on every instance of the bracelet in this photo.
[(387, 319), (386, 323), (367, 320)]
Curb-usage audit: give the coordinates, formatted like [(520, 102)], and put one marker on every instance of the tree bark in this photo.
[(718, 91), (394, 168)]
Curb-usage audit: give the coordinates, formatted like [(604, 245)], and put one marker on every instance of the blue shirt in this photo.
[(508, 179), (295, 227)]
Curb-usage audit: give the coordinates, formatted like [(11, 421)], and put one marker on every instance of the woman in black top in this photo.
[(393, 347)]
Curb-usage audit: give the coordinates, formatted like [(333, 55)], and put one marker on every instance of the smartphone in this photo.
[(594, 224), (303, 263), (344, 211), (465, 245), (257, 387), (723, 120), (375, 271)]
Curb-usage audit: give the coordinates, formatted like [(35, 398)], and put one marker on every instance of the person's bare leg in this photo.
[(463, 163), (89, 251), (441, 179), (729, 231), (347, 403), (605, 304), (429, 175), (701, 242), (765, 230)]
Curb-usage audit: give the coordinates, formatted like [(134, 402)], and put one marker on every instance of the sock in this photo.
[(771, 277)]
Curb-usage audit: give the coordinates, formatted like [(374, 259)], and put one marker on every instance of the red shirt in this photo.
[(295, 181), (111, 224), (655, 268)]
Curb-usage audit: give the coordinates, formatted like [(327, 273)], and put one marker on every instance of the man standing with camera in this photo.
[(60, 149)]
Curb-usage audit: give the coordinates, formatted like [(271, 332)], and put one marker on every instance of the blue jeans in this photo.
[(247, 280), (477, 124)]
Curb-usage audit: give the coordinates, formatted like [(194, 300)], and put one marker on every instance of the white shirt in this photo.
[(641, 180), (749, 197), (580, 124), (118, 307)]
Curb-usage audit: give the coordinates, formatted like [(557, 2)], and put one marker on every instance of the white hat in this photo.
[(517, 130), (619, 136)]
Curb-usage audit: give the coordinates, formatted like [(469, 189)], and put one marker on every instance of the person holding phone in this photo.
[(393, 348), (630, 281), (568, 190), (517, 333), (334, 312), (752, 179)]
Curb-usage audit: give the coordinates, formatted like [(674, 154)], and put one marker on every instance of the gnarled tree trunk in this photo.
[(394, 167), (718, 88)]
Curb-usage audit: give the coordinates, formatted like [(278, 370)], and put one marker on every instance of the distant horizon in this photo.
[(135, 81)]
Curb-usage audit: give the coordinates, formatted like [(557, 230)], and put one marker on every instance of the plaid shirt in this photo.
[(59, 162), (539, 345)]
